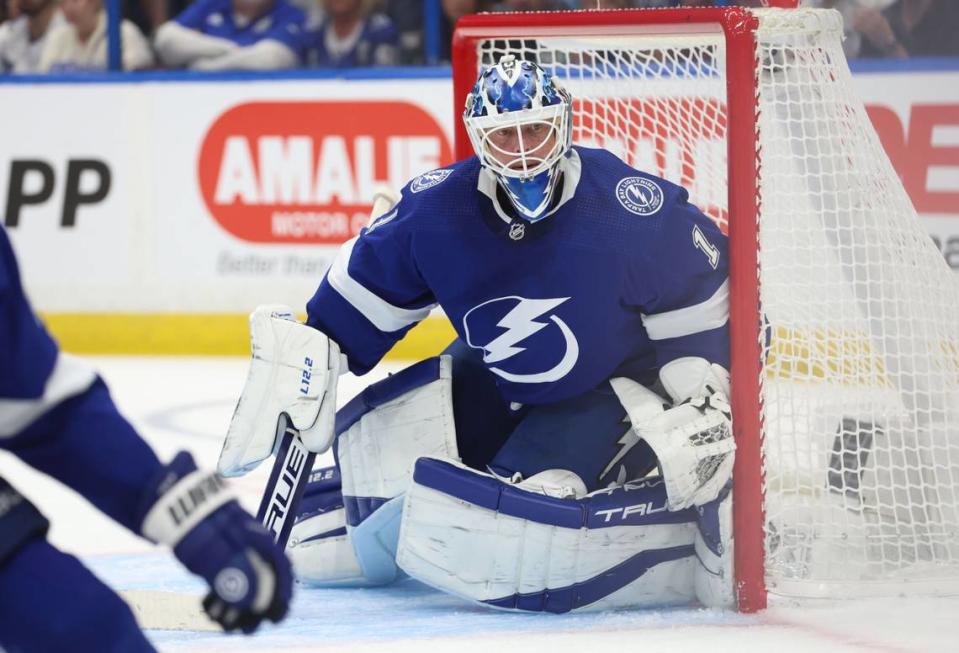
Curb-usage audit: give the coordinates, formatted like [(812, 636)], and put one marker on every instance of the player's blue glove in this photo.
[(249, 575)]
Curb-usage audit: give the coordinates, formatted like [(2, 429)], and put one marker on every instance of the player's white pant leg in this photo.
[(472, 535), (380, 434)]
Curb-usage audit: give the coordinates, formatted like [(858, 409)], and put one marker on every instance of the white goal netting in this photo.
[(860, 384)]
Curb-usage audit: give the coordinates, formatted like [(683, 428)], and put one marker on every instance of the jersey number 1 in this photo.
[(701, 243)]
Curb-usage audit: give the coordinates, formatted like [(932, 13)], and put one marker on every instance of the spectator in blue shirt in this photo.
[(349, 36), (233, 35)]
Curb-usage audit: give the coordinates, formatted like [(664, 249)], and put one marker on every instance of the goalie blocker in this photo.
[(287, 405), (291, 382)]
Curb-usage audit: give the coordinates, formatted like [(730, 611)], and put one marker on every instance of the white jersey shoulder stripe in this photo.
[(705, 316), (382, 314), (70, 377)]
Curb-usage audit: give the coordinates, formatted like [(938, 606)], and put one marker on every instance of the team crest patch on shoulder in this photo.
[(429, 179), (639, 195)]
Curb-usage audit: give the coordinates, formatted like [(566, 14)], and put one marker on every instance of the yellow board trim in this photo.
[(818, 356), (839, 356), (216, 334)]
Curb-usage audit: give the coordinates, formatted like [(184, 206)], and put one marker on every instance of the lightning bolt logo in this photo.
[(521, 323), (636, 194)]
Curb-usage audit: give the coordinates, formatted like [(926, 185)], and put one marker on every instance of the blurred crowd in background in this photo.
[(62, 36)]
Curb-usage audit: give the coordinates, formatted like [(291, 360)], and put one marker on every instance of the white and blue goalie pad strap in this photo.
[(380, 434), (321, 497), (472, 535)]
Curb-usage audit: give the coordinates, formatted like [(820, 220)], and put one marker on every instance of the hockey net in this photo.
[(844, 298)]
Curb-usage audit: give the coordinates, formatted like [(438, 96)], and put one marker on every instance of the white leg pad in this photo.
[(377, 451), (381, 434), (472, 535)]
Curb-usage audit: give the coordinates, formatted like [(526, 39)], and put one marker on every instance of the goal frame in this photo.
[(738, 25)]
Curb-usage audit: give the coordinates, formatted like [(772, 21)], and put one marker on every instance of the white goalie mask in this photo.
[(519, 120)]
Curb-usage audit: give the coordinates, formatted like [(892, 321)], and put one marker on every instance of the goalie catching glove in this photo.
[(692, 440), (193, 512), (294, 371)]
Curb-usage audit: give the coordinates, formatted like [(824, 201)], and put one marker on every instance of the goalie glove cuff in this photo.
[(250, 579), (180, 498), (692, 377)]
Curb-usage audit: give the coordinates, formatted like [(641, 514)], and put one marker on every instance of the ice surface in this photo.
[(187, 402)]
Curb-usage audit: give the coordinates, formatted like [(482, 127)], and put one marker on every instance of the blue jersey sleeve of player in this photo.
[(56, 414), (681, 287), (27, 352), (373, 294)]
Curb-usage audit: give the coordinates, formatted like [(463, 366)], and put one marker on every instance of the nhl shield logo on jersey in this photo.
[(639, 195), (429, 179), (522, 340)]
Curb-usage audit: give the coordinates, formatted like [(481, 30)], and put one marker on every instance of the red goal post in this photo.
[(845, 367), (738, 27)]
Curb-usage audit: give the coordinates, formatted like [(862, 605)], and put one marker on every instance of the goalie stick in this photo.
[(288, 479)]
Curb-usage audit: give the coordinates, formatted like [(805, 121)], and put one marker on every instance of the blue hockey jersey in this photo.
[(624, 276), (281, 22), (374, 43), (57, 415)]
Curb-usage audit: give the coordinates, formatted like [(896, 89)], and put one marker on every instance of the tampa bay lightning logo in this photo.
[(429, 179), (499, 326), (639, 195)]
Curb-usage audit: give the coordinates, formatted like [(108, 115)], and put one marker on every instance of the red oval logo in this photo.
[(305, 172)]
